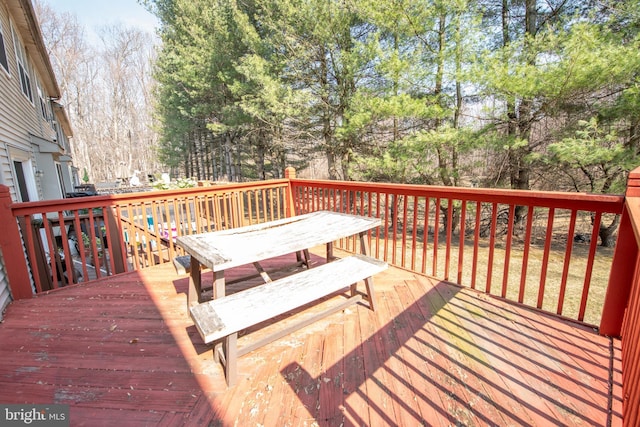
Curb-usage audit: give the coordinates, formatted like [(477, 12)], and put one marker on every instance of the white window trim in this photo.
[(42, 99), (4, 43), (22, 63)]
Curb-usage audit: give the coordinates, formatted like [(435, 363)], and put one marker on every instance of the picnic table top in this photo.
[(220, 250)]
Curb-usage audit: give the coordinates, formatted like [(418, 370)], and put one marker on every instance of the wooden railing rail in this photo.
[(536, 248), (80, 239)]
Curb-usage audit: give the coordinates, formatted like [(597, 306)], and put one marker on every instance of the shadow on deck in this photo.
[(124, 350)]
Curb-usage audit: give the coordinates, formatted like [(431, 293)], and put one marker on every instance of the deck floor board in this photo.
[(124, 349)]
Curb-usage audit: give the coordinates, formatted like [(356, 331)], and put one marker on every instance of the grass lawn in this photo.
[(555, 267)]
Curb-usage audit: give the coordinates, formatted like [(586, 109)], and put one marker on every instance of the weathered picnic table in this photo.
[(222, 317)]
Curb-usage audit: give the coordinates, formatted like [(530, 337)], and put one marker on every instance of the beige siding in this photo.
[(24, 132), (6, 84), (19, 117)]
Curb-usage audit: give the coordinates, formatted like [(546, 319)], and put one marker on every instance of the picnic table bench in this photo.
[(223, 318)]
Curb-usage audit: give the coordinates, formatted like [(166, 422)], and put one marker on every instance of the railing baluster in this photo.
[(449, 231), (94, 248), (256, 206), (158, 229), (66, 252), (216, 214), (507, 251), (31, 252), (436, 237), (461, 239), (264, 205), (79, 243), (132, 237), (492, 244), (590, 260), (414, 233), (404, 231), (425, 236), (525, 254), (567, 261), (476, 243), (545, 257), (379, 229)]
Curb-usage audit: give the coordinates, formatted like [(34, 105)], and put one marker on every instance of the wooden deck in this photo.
[(123, 351)]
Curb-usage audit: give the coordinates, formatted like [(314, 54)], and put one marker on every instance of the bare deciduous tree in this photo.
[(107, 89)]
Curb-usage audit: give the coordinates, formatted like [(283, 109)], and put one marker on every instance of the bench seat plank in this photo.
[(222, 317)]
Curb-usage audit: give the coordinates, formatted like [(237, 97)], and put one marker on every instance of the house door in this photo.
[(24, 178), (22, 181)]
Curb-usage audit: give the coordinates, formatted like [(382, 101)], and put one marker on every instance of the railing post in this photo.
[(290, 173), (624, 264), (15, 262)]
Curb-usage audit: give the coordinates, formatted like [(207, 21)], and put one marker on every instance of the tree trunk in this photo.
[(608, 233), (260, 152), (228, 162)]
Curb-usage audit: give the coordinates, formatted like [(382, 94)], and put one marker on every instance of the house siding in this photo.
[(25, 135), (6, 94)]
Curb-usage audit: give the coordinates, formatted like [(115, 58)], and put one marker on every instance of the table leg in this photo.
[(368, 282), (364, 244), (303, 258), (218, 284), (195, 283), (330, 256), (262, 272)]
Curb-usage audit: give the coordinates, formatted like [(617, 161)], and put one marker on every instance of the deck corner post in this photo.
[(623, 275), (289, 174), (620, 279), (15, 262)]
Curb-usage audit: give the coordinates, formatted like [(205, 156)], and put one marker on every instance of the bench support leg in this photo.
[(368, 283), (226, 353)]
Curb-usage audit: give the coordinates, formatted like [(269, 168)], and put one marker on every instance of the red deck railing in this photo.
[(72, 240), (535, 248)]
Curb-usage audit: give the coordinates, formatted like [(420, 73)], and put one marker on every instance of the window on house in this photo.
[(23, 69), (43, 103), (3, 53), (61, 179)]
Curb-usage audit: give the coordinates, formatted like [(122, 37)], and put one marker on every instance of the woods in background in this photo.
[(108, 89), (497, 93), (519, 94)]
